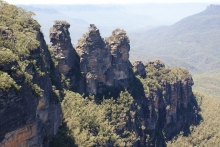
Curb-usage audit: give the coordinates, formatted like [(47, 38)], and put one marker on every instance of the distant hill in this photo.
[(208, 83), (130, 17), (193, 42), (46, 15)]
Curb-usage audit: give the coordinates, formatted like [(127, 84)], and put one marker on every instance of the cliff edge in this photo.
[(28, 117)]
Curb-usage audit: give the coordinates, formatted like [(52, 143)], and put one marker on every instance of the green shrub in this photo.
[(6, 82)]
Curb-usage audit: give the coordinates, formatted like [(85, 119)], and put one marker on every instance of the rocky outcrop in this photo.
[(176, 107), (104, 62), (62, 47), (95, 60), (119, 46), (162, 97), (139, 68), (167, 104)]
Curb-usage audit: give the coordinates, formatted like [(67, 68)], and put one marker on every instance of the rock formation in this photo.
[(166, 105), (167, 93), (104, 63), (62, 47), (95, 60), (119, 46), (139, 68), (65, 58), (177, 97)]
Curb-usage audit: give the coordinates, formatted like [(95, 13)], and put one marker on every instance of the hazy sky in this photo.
[(106, 1)]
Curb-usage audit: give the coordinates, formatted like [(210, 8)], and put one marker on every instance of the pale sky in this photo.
[(106, 1)]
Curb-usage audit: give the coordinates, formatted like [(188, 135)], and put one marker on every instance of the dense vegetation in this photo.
[(208, 83), (83, 115), (18, 30), (19, 48), (94, 124), (157, 75), (6, 82)]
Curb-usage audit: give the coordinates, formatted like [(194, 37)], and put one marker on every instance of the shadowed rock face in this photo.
[(139, 68), (62, 46), (27, 119), (168, 108)]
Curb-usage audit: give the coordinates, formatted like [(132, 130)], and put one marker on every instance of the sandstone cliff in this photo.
[(166, 103), (28, 117), (65, 72), (62, 47), (119, 46), (95, 60), (104, 63)]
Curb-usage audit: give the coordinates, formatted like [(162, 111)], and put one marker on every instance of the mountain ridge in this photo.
[(141, 16), (185, 39)]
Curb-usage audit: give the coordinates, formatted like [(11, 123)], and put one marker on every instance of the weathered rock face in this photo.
[(177, 98), (119, 46), (104, 63), (28, 117), (62, 47), (139, 68), (95, 60), (168, 108)]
